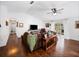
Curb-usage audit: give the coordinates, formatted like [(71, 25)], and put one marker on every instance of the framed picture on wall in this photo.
[(47, 24), (77, 24), (20, 24)]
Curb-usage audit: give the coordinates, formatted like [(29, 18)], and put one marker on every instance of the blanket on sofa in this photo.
[(31, 40)]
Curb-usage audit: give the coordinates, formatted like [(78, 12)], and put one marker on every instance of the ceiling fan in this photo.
[(31, 2), (55, 11)]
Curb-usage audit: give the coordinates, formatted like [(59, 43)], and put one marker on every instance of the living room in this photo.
[(17, 17)]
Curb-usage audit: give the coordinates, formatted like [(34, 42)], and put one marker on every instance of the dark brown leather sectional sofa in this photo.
[(40, 39)]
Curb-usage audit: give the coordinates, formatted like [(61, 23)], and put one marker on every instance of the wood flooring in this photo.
[(15, 48)]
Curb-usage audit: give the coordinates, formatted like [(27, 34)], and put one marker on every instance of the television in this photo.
[(33, 27)]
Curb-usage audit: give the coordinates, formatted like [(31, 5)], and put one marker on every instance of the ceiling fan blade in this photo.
[(31, 2), (49, 12), (60, 9), (59, 12)]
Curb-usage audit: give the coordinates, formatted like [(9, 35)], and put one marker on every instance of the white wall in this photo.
[(4, 30), (70, 30), (53, 26), (66, 29), (27, 20)]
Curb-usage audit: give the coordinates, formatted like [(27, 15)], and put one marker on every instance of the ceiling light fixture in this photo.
[(54, 14)]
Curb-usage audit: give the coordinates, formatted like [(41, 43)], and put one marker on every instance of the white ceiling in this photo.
[(40, 9)]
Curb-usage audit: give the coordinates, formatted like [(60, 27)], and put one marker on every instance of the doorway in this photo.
[(59, 28), (12, 26)]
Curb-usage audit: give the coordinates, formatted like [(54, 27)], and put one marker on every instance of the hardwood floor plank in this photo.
[(14, 48)]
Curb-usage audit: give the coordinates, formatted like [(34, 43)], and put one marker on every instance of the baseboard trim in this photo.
[(72, 39)]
